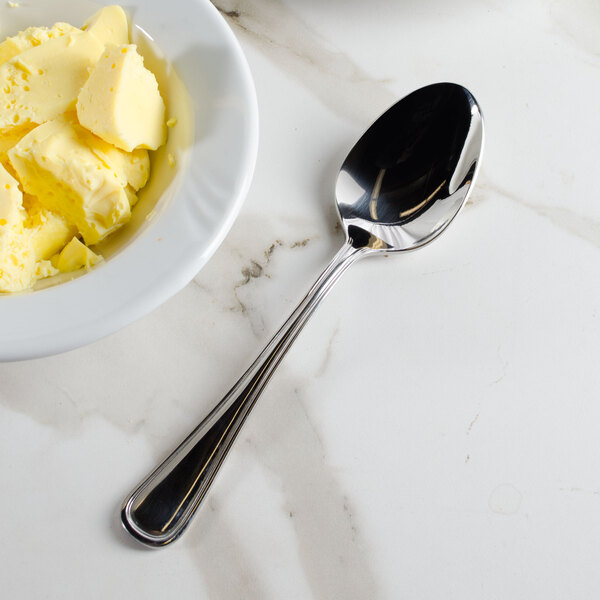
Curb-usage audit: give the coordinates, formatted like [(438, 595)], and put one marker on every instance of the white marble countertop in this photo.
[(434, 431)]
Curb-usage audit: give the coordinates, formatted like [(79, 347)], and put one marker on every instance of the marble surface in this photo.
[(434, 431)]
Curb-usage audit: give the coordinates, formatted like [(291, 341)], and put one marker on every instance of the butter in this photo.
[(11, 202), (49, 231), (43, 82), (133, 168), (17, 263), (7, 141), (121, 103), (20, 267), (109, 25), (75, 256), (31, 37), (56, 164), (78, 114), (131, 196)]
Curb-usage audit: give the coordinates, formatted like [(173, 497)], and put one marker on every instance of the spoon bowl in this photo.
[(401, 185), (408, 176)]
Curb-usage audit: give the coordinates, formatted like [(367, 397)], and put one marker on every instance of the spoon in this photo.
[(401, 185)]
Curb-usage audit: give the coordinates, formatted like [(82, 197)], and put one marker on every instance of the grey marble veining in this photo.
[(331, 74)]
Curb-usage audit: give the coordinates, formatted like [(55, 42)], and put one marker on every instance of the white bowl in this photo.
[(166, 245)]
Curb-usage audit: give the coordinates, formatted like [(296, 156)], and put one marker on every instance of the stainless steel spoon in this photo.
[(401, 185)]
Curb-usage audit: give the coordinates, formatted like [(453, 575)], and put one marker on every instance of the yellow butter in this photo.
[(7, 141), (121, 103), (17, 260), (133, 168), (62, 180), (49, 231), (43, 82), (131, 196), (109, 25), (11, 201), (43, 269), (75, 256), (31, 37), (55, 164)]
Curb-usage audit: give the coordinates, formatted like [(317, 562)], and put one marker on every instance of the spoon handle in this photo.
[(160, 508)]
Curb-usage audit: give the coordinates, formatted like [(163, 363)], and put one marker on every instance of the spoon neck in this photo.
[(347, 255), (341, 261), (157, 512)]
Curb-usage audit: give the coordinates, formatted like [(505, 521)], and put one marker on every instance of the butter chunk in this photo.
[(121, 103), (7, 141), (132, 196), (26, 240), (43, 82), (75, 256), (11, 203), (135, 165), (17, 260), (133, 168), (109, 25), (31, 37), (55, 164), (49, 231), (44, 268)]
